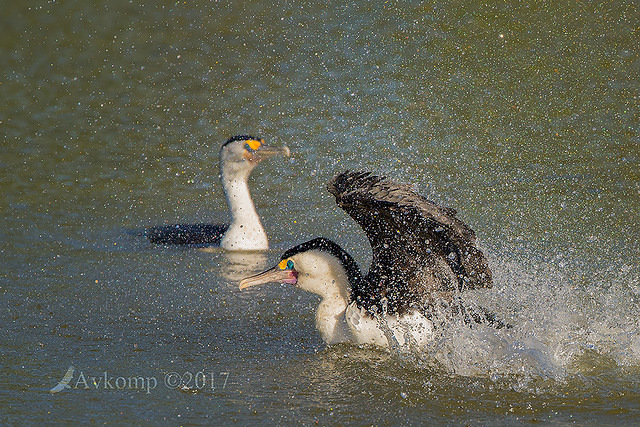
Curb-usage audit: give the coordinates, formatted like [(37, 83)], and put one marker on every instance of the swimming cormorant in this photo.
[(238, 157), (423, 257)]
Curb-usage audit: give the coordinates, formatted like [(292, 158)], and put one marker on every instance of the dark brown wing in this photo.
[(420, 250)]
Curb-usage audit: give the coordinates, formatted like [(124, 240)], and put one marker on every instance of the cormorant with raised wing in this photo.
[(423, 256), (238, 157)]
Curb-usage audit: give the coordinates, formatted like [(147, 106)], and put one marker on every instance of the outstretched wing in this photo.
[(420, 250)]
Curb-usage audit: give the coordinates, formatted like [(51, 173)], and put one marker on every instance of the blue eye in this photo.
[(290, 265)]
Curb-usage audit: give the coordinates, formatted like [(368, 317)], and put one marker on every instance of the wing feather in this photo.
[(420, 250)]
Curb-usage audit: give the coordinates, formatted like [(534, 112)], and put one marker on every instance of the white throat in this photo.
[(326, 277), (330, 320), (246, 231)]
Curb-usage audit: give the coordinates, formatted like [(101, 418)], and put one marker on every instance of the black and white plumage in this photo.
[(238, 157), (422, 254)]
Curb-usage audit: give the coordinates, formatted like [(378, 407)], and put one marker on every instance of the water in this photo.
[(523, 117)]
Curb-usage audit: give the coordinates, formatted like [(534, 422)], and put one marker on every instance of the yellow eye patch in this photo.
[(254, 144), (285, 264)]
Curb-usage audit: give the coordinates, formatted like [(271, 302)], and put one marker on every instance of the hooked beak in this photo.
[(274, 275), (265, 152)]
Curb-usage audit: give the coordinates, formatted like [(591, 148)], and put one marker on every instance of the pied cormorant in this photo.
[(238, 157), (423, 257)]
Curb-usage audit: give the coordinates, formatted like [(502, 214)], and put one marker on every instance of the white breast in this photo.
[(411, 328)]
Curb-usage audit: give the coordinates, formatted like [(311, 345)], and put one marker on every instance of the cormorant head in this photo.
[(319, 266), (241, 153)]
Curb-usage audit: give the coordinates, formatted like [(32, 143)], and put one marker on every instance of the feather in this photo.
[(421, 250)]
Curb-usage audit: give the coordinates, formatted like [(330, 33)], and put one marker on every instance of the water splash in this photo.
[(559, 329)]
